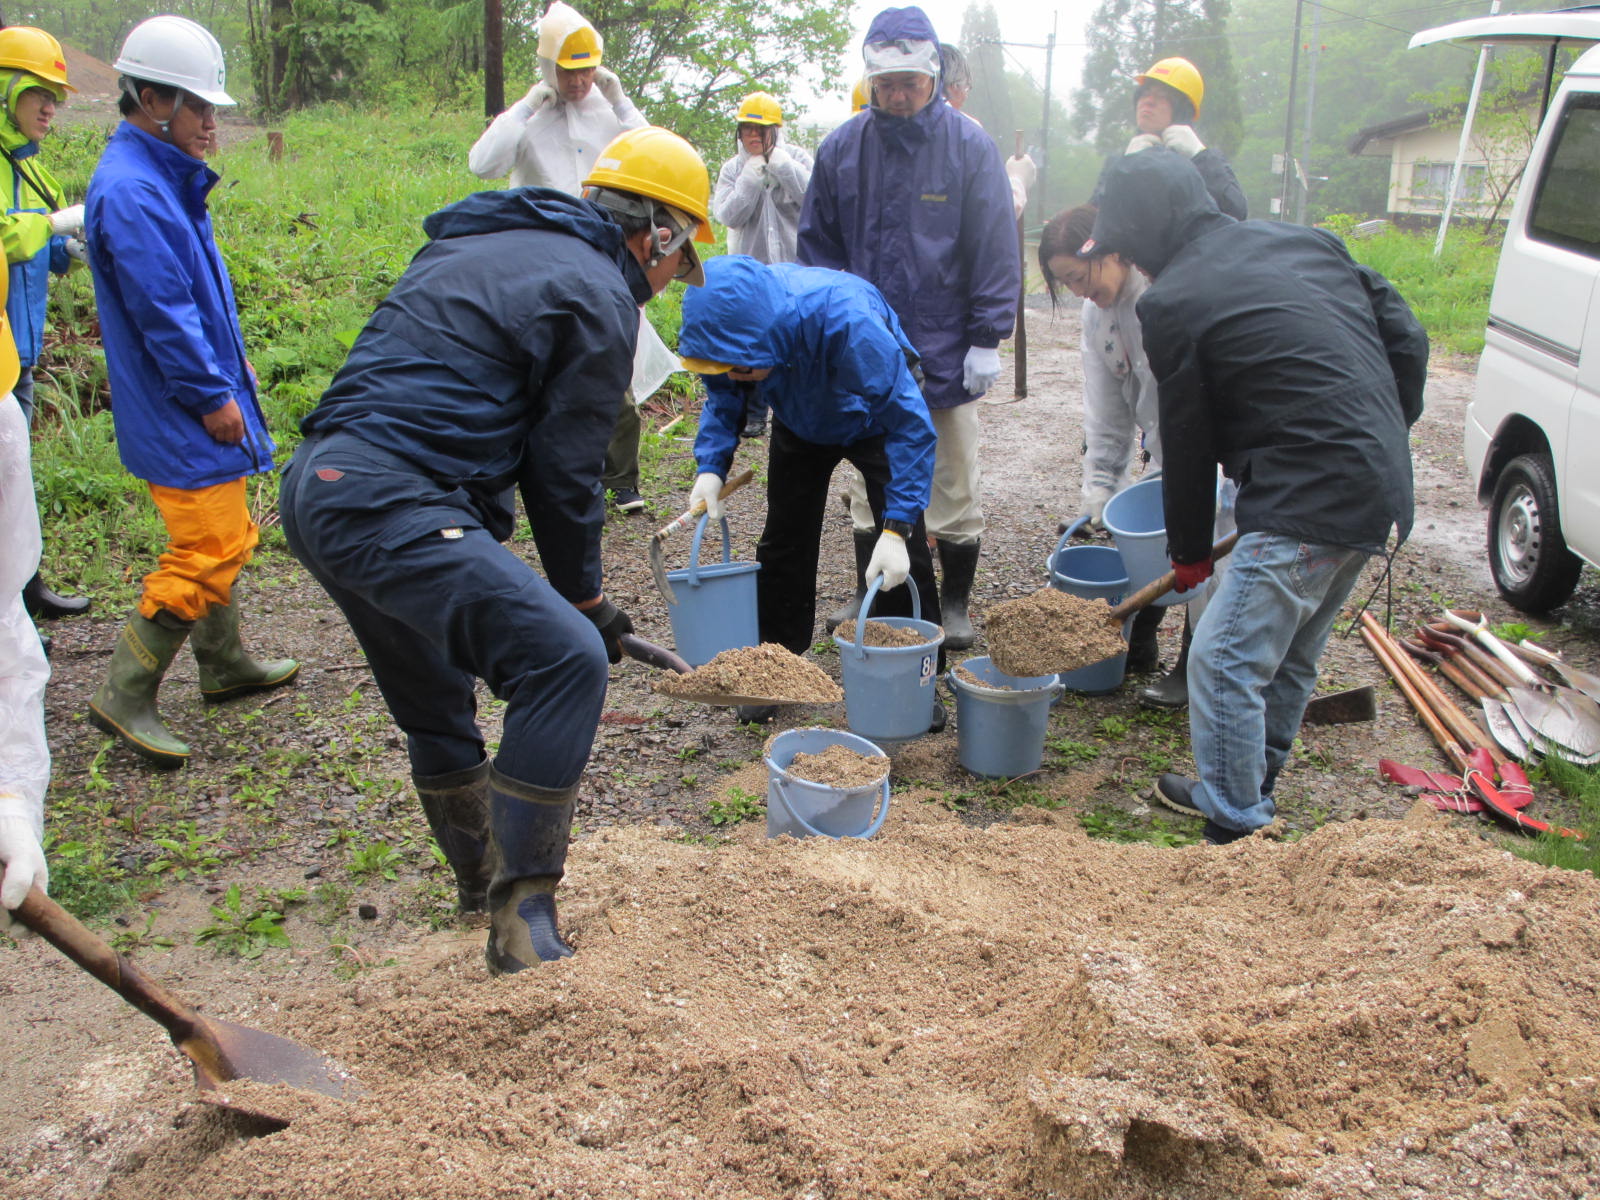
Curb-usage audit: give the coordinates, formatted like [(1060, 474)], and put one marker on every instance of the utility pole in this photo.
[(494, 59), (1315, 50), (1044, 121), (1288, 121)]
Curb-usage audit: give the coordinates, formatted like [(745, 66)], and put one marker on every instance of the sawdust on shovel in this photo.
[(880, 634), (768, 671), (1049, 632), (840, 766), (1386, 1010)]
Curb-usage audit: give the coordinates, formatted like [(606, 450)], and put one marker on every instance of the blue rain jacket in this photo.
[(841, 367), (499, 360), (174, 351), (920, 207)]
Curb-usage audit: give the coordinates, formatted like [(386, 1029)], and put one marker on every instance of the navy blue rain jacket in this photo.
[(921, 208), (1276, 355), (840, 367), (499, 359), (174, 351)]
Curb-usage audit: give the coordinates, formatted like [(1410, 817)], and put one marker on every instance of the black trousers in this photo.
[(798, 472)]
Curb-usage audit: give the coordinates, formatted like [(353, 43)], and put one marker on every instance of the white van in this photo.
[(1533, 428)]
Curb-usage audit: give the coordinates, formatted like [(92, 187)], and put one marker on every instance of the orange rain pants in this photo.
[(210, 537)]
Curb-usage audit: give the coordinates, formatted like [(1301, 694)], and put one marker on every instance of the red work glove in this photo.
[(1191, 575)]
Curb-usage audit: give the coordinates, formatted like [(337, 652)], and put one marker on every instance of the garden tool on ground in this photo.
[(1583, 681), (1342, 708), (657, 569), (220, 1051)]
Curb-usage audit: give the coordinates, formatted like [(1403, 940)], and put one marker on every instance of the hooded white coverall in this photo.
[(1119, 395), (759, 201)]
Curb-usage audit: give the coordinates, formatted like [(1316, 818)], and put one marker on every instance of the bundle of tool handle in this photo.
[(1490, 781)]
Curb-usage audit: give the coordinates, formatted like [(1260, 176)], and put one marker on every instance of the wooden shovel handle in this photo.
[(1162, 584), (68, 935), (699, 506)]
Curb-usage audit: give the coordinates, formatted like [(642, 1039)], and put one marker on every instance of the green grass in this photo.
[(1580, 786), (1449, 294)]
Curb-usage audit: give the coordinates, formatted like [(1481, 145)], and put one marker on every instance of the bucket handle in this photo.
[(1066, 534), (872, 594), (694, 549), (877, 821)]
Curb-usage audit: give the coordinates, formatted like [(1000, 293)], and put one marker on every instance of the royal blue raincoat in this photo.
[(840, 367), (174, 350), (921, 208)]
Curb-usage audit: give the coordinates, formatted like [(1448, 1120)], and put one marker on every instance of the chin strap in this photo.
[(128, 90)]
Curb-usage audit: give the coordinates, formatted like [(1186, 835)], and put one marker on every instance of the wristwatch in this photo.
[(903, 528)]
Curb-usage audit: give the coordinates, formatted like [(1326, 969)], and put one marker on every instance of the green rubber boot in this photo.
[(226, 669), (529, 827), (457, 807), (125, 704)]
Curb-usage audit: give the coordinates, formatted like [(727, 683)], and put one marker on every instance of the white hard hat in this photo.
[(177, 52)]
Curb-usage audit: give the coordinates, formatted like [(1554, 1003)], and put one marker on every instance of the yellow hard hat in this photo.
[(704, 366), (759, 108), (1179, 74), (36, 52), (660, 165), (567, 39), (860, 96), (581, 49)]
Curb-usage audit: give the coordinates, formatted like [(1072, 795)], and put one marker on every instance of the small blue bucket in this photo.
[(804, 808), (1137, 521), (1092, 573), (889, 690), (999, 733), (716, 611)]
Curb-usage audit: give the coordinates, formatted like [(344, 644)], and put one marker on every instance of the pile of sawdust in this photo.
[(1049, 632), (840, 766), (764, 672), (1382, 1010), (879, 633)]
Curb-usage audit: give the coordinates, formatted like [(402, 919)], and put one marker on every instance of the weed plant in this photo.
[(1580, 786), (1449, 294)]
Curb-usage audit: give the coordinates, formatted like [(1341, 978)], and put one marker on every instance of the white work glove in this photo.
[(24, 865), (891, 559), (708, 487), (610, 86), (981, 369), (777, 155), (67, 220), (1182, 138), (1023, 169), (1143, 141), (77, 249), (1095, 507), (540, 95)]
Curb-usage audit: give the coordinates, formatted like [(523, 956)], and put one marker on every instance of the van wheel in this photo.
[(1529, 558)]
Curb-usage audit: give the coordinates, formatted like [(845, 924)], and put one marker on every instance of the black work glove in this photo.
[(612, 623)]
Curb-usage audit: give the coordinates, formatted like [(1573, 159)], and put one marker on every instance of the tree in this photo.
[(990, 101), (1126, 37)]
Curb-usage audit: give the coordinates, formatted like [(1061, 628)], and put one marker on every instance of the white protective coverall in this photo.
[(759, 200), (1119, 395)]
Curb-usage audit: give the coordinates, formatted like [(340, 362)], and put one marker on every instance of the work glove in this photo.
[(1023, 169), (77, 249), (610, 86), (891, 559), (24, 865), (708, 487), (612, 623), (540, 95), (777, 155), (67, 220), (1191, 575), (1182, 138), (1143, 141), (981, 369)]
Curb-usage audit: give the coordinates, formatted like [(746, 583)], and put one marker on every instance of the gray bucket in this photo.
[(715, 608), (1092, 573), (1000, 734), (805, 808), (889, 691), (1136, 518)]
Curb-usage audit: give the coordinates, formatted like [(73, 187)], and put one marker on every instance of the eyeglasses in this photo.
[(200, 108), (908, 85), (688, 263)]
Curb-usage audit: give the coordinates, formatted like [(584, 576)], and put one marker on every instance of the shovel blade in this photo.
[(222, 1052), (1505, 733), (1342, 708)]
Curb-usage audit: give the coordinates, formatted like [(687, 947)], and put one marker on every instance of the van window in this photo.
[(1564, 211)]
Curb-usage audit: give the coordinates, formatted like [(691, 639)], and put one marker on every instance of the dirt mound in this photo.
[(1383, 1009), (90, 75)]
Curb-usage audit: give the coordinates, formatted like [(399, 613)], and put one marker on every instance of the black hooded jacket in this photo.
[(1276, 355)]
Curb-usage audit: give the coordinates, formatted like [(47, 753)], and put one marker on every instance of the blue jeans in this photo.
[(1253, 665)]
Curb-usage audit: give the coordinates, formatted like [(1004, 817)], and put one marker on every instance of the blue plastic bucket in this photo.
[(999, 733), (716, 605), (804, 808), (1093, 573), (889, 691), (1136, 520)]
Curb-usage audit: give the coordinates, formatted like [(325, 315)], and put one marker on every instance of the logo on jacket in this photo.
[(329, 474), (936, 197)]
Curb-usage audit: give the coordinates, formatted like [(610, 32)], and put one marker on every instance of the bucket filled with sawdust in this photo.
[(1001, 719), (825, 783), (889, 666)]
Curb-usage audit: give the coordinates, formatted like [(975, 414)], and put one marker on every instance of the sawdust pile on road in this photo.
[(1384, 1009), (1050, 631), (767, 671)]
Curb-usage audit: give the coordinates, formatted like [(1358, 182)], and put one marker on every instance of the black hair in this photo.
[(1065, 233), (127, 105), (1182, 107)]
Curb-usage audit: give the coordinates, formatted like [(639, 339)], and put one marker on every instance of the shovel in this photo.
[(219, 1050), (657, 569)]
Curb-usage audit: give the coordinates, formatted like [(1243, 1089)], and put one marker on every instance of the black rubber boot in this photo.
[(865, 543), (125, 704), (457, 808), (755, 714), (41, 601), (959, 562), (1171, 691), (226, 669), (528, 831), (1144, 652)]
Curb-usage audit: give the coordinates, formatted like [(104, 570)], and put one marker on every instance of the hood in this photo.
[(1152, 205), (539, 208), (908, 24), (15, 83), (737, 317)]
